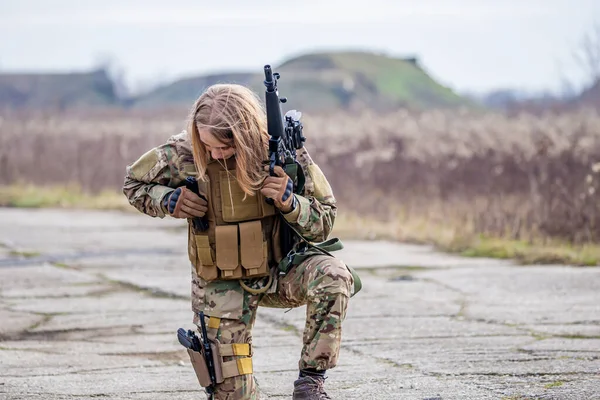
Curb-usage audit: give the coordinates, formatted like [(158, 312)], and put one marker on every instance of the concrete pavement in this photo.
[(90, 303)]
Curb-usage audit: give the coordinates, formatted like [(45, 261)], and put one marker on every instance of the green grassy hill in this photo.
[(326, 81), (316, 82), (373, 79)]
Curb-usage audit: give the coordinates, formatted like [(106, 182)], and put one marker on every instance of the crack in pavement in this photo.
[(93, 395), (55, 335), (511, 374), (384, 360), (16, 336), (281, 324), (462, 315), (408, 367), (364, 342), (174, 355), (43, 351), (140, 392), (87, 371), (410, 316), (62, 258), (116, 286), (385, 341), (584, 322), (94, 293), (445, 286), (108, 313), (519, 360), (149, 290)]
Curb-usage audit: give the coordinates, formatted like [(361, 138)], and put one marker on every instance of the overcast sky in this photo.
[(469, 45)]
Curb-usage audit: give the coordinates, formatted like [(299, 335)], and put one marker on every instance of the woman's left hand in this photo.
[(279, 188)]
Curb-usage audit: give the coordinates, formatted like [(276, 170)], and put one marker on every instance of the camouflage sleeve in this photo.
[(155, 174), (315, 213)]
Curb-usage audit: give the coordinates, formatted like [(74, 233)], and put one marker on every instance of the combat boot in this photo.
[(310, 388)]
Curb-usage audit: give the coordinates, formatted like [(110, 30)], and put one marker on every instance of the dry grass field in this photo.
[(522, 186)]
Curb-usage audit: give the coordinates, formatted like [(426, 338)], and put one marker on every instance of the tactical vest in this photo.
[(242, 240)]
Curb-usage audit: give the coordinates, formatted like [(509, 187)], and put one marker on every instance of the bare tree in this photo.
[(587, 56), (115, 71)]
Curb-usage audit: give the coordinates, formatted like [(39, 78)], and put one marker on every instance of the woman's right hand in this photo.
[(183, 203)]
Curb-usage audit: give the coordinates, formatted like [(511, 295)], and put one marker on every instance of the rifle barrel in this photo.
[(274, 116), (269, 82)]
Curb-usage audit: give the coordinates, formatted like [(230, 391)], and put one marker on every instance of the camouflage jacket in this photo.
[(160, 170)]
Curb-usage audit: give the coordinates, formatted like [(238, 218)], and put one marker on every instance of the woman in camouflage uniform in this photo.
[(235, 261)]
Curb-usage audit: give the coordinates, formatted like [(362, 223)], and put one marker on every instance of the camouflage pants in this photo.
[(321, 282)]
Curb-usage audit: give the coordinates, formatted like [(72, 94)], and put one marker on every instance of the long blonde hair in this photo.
[(235, 116)]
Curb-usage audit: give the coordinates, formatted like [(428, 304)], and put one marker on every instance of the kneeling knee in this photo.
[(332, 278)]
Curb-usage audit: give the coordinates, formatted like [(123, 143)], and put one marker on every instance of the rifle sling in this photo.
[(305, 249)]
